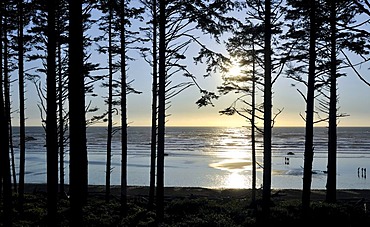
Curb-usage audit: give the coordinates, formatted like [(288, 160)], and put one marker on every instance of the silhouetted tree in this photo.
[(22, 131), (331, 185), (129, 40), (51, 115), (242, 47), (177, 20), (153, 36), (77, 120), (308, 153), (9, 29), (62, 80), (106, 25), (4, 149), (267, 115), (346, 35), (123, 107), (161, 109), (309, 28)]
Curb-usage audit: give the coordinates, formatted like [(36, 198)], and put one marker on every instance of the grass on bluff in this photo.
[(194, 211)]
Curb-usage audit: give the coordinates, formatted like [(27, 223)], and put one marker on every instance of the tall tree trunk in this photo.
[(60, 116), (2, 101), (153, 144), (60, 97), (51, 116), (7, 100), (123, 112), (253, 123), (266, 193), (22, 123), (77, 120), (308, 153), (4, 145), (110, 105), (332, 145), (11, 146), (161, 110)]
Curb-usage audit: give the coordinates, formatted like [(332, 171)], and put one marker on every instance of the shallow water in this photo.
[(214, 157)]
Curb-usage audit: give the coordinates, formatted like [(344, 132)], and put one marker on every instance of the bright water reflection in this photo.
[(234, 162)]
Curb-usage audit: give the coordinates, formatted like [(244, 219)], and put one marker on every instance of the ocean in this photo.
[(213, 157)]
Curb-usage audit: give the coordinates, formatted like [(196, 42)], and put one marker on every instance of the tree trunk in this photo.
[(22, 131), (332, 145), (4, 145), (7, 100), (77, 130), (51, 116), (253, 123), (308, 153), (161, 110), (153, 143), (110, 105), (123, 112), (60, 116), (266, 193)]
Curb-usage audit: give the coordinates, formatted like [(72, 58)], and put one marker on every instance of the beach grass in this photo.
[(201, 207)]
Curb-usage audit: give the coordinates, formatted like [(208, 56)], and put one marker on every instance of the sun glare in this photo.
[(234, 69), (236, 180)]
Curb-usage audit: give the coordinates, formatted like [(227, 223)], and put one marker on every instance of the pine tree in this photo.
[(51, 115), (4, 149), (77, 121)]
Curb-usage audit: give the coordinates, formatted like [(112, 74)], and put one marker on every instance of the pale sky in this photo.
[(354, 98)]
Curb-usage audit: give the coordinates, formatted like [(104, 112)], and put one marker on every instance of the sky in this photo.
[(354, 98)]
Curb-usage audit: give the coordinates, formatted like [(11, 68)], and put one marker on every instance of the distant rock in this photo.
[(30, 138), (290, 153)]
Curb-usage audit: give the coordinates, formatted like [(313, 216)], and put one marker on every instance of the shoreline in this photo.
[(343, 195)]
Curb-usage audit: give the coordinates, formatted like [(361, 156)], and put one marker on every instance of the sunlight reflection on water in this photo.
[(235, 162)]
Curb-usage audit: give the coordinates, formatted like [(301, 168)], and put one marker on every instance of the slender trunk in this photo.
[(161, 110), (7, 102), (123, 112), (22, 123), (332, 145), (308, 153), (266, 193), (253, 123), (77, 120), (153, 143), (110, 106), (11, 146), (4, 145), (61, 117), (51, 117), (60, 95)]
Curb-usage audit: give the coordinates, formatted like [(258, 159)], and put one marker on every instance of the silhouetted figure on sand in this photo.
[(286, 161)]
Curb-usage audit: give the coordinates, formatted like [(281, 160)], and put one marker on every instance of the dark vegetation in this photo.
[(307, 41), (193, 211)]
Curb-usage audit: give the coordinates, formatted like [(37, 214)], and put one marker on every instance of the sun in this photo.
[(234, 69)]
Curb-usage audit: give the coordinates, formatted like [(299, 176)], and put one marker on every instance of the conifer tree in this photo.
[(77, 120), (51, 115), (177, 20), (5, 176)]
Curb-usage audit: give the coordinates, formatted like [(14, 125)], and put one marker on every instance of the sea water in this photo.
[(213, 157)]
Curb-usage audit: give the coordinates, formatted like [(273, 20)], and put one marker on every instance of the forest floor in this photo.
[(201, 207)]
